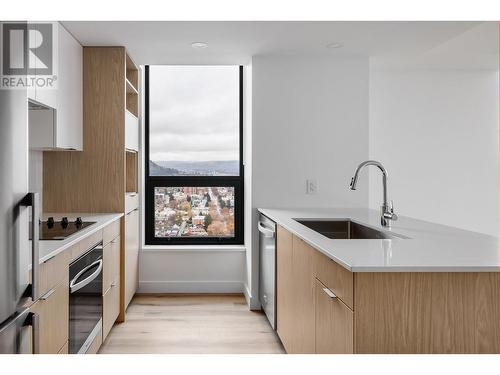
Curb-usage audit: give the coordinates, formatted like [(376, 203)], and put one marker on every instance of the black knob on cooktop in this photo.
[(64, 222), (78, 222), (50, 222)]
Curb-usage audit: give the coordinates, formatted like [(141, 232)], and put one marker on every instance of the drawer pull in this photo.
[(113, 284), (48, 294), (329, 293)]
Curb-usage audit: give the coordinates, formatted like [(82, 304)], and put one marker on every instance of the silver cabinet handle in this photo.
[(329, 293), (48, 294), (31, 200), (265, 231), (74, 286)]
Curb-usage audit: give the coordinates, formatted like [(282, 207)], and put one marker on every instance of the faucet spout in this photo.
[(387, 212)]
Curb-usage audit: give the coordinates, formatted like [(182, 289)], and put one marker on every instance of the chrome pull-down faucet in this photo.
[(386, 212)]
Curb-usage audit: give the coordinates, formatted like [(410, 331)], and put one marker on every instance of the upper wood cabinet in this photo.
[(61, 126)]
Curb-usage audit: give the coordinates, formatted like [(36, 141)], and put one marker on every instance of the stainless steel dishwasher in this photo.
[(267, 269)]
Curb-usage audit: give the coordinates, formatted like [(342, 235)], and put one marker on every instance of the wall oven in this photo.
[(85, 300)]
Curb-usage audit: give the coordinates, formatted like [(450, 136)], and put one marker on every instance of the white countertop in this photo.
[(429, 248), (49, 249)]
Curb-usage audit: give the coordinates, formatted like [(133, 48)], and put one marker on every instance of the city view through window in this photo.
[(194, 211), (194, 133)]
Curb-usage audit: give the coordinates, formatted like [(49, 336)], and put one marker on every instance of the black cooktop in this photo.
[(60, 230)]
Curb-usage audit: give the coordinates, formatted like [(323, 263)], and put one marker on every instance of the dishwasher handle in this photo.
[(265, 231)]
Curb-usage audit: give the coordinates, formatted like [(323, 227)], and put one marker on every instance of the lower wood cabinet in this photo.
[(284, 278), (333, 322), (324, 308), (131, 255), (111, 284), (295, 293), (53, 318), (111, 307)]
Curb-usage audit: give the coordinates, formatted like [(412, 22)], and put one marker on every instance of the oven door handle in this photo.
[(74, 285)]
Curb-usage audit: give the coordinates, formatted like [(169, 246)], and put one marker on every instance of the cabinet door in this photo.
[(46, 95), (69, 124), (53, 312), (111, 264), (303, 297), (111, 308), (131, 254), (284, 288), (334, 323)]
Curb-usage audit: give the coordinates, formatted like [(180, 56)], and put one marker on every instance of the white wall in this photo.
[(310, 121), (436, 131)]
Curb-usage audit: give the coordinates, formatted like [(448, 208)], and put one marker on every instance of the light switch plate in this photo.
[(311, 187)]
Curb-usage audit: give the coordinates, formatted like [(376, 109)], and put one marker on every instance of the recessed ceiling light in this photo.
[(199, 45), (334, 45)]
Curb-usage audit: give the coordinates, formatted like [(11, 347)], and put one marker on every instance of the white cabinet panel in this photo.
[(131, 132), (65, 132), (131, 255), (69, 129)]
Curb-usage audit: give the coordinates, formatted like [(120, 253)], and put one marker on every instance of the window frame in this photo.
[(151, 182)]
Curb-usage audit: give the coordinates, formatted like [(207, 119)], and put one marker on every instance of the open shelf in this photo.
[(132, 104), (132, 73), (130, 88)]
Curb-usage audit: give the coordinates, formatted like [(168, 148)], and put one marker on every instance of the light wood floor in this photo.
[(218, 324)]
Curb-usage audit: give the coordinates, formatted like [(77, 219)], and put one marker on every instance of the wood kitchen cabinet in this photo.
[(284, 281), (61, 128), (295, 293), (333, 322), (324, 308), (53, 319), (111, 285), (303, 297)]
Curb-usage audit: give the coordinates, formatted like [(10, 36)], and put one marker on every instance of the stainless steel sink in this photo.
[(345, 229)]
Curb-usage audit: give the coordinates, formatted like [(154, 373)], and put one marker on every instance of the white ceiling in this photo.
[(169, 42)]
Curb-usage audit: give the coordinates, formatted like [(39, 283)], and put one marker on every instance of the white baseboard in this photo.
[(191, 287), (252, 302)]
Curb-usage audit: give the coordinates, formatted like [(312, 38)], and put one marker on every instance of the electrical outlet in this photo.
[(311, 187)]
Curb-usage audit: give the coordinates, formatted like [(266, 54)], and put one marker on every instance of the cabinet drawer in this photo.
[(110, 232), (53, 271), (53, 311), (131, 132), (334, 323), (86, 244), (111, 264), (111, 308), (131, 202), (336, 278)]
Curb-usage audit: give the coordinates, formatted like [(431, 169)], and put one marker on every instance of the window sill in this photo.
[(194, 248)]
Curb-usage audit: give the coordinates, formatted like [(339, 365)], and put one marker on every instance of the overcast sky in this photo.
[(194, 113)]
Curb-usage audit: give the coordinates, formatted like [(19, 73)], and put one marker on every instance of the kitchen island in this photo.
[(428, 288)]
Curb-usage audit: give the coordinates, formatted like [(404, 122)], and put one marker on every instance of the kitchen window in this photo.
[(194, 154)]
